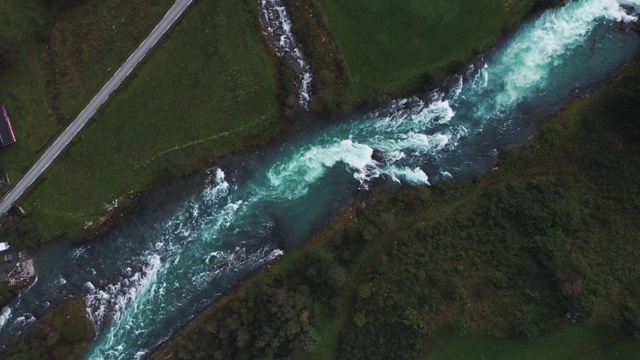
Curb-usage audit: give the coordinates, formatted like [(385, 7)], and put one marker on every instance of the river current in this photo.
[(169, 261)]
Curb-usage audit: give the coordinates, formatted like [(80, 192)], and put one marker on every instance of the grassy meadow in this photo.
[(62, 57), (207, 90), (90, 42), (392, 46), (578, 342), (25, 87)]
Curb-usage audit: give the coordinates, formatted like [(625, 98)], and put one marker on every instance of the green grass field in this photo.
[(90, 42), (206, 91), (563, 343), (390, 46), (62, 59), (23, 88)]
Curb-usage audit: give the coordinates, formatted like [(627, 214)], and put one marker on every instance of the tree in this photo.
[(459, 326), (20, 232), (359, 319), (629, 320), (6, 293), (310, 339)]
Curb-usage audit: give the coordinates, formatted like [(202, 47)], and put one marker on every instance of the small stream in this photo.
[(189, 244), (277, 26)]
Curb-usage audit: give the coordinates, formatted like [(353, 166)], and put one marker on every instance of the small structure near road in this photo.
[(6, 132)]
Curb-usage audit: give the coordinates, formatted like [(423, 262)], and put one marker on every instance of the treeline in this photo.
[(20, 232), (506, 262)]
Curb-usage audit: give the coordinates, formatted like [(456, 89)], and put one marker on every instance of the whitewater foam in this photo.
[(5, 316), (524, 65), (108, 303)]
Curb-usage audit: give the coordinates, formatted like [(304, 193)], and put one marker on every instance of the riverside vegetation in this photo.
[(63, 333), (548, 239), (396, 48)]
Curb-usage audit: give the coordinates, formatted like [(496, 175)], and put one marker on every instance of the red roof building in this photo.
[(6, 132)]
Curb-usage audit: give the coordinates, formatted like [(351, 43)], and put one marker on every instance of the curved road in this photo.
[(70, 132)]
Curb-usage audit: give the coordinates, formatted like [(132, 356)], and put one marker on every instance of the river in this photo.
[(187, 246)]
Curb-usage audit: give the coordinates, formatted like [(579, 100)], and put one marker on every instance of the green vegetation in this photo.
[(550, 238), (90, 42), (576, 342), (208, 90), (7, 292), (20, 232), (198, 97), (367, 52), (394, 46), (59, 54), (64, 333), (330, 96), (24, 80)]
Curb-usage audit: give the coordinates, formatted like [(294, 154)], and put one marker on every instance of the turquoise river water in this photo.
[(186, 247)]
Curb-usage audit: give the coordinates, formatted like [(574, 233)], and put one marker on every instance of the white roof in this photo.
[(4, 246)]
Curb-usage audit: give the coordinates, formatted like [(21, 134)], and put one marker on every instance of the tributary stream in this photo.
[(187, 246)]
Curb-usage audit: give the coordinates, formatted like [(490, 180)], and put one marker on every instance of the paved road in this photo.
[(63, 140)]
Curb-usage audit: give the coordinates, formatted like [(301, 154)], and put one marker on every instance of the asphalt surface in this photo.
[(74, 128)]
